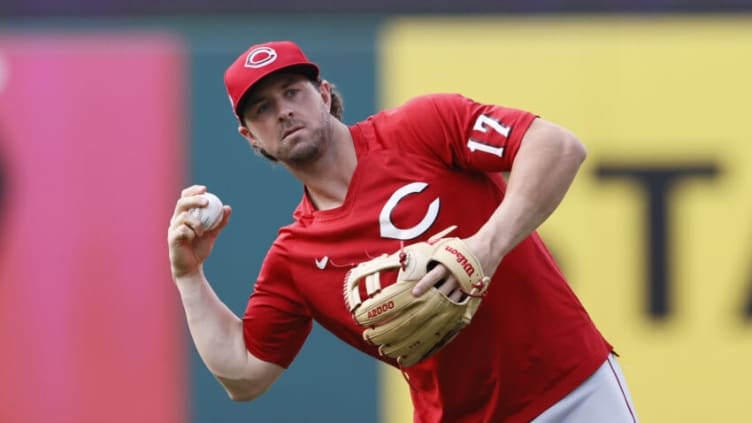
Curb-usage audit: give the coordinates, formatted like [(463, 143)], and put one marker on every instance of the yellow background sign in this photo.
[(652, 94)]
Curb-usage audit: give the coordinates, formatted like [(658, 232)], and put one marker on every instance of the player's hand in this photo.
[(439, 277), (188, 242), (442, 279)]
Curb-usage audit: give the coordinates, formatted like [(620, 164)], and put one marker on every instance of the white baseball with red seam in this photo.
[(211, 214)]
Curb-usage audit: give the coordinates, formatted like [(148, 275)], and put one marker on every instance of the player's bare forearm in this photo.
[(544, 168), (218, 335)]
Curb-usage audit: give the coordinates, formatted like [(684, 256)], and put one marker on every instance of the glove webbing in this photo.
[(371, 270)]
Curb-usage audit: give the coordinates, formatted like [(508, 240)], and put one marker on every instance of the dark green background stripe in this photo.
[(329, 381)]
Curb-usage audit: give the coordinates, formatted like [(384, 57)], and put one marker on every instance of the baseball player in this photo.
[(517, 346)]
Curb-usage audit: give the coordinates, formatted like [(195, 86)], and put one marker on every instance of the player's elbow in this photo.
[(242, 390), (550, 139), (242, 396), (572, 147), (580, 151)]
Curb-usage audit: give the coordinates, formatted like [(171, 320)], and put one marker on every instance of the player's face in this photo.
[(288, 118)]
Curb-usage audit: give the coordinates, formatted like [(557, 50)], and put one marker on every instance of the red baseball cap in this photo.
[(261, 60)]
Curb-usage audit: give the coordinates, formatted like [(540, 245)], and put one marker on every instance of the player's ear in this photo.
[(326, 92), (254, 143), (248, 135)]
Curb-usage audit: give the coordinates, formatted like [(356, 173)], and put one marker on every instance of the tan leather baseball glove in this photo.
[(408, 328)]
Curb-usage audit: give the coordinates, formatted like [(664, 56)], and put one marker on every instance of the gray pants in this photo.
[(603, 397)]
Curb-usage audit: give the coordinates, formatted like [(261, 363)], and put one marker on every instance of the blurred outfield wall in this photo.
[(654, 236), (92, 142)]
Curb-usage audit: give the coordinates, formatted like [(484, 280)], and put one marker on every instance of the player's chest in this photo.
[(391, 200), (403, 198)]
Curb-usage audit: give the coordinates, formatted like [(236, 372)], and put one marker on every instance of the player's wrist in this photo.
[(187, 277)]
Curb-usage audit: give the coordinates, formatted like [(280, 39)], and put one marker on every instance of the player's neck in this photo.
[(327, 181)]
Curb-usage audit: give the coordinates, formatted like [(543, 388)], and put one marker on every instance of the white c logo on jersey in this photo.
[(389, 230)]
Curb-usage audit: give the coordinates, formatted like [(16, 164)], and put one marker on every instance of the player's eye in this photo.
[(261, 108), (292, 92)]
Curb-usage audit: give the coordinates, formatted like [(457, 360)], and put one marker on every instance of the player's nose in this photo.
[(285, 111)]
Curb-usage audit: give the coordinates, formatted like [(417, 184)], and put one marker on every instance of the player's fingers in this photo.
[(456, 295), (180, 234), (193, 190), (430, 279), (187, 203), (188, 220), (450, 288), (448, 285)]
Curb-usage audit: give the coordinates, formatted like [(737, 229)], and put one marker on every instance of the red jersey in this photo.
[(433, 162)]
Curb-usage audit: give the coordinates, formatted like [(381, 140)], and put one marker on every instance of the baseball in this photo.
[(210, 215)]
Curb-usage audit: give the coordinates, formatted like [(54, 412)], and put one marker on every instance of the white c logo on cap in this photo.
[(260, 57)]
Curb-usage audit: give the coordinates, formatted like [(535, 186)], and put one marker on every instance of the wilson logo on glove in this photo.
[(406, 328), (462, 260)]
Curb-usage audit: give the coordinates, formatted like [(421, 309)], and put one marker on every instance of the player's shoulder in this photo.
[(424, 108), (425, 120), (436, 101)]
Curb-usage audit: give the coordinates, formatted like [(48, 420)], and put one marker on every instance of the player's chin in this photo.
[(303, 152)]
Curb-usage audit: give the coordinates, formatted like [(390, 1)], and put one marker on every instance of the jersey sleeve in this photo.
[(467, 134), (276, 321)]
